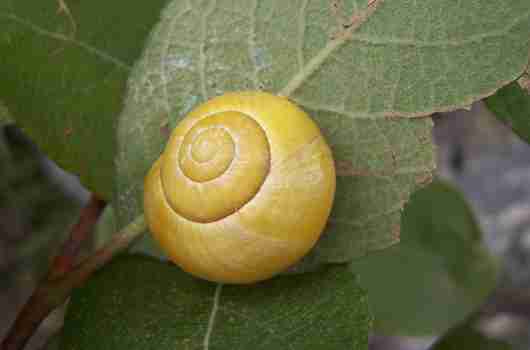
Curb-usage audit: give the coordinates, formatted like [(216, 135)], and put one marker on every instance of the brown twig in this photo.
[(53, 293), (69, 252), (35, 310)]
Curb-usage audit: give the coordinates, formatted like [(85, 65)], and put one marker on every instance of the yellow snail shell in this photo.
[(243, 189)]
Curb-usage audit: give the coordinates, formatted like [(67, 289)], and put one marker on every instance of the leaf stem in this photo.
[(54, 292)]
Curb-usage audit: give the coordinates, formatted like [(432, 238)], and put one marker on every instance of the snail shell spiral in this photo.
[(243, 189)]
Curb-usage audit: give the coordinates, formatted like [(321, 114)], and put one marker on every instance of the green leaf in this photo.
[(54, 343), (5, 117), (140, 303), (437, 275), (408, 59), (466, 338), (64, 74), (511, 105)]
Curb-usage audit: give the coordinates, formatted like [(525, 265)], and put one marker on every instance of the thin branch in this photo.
[(54, 292), (69, 252), (33, 312), (91, 264)]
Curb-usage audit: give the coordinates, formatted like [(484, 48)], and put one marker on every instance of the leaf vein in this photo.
[(202, 55), (477, 38), (165, 56), (301, 34), (61, 37), (213, 313), (252, 43)]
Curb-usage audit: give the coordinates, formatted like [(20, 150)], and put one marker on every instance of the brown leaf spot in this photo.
[(424, 179), (524, 82), (165, 130), (345, 168), (348, 24), (423, 139), (396, 232), (394, 159)]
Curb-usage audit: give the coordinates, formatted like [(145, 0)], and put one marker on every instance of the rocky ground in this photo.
[(475, 152)]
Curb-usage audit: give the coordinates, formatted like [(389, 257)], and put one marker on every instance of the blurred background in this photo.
[(485, 160), (478, 154)]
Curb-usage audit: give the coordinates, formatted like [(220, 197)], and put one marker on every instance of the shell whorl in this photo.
[(213, 169), (243, 188)]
